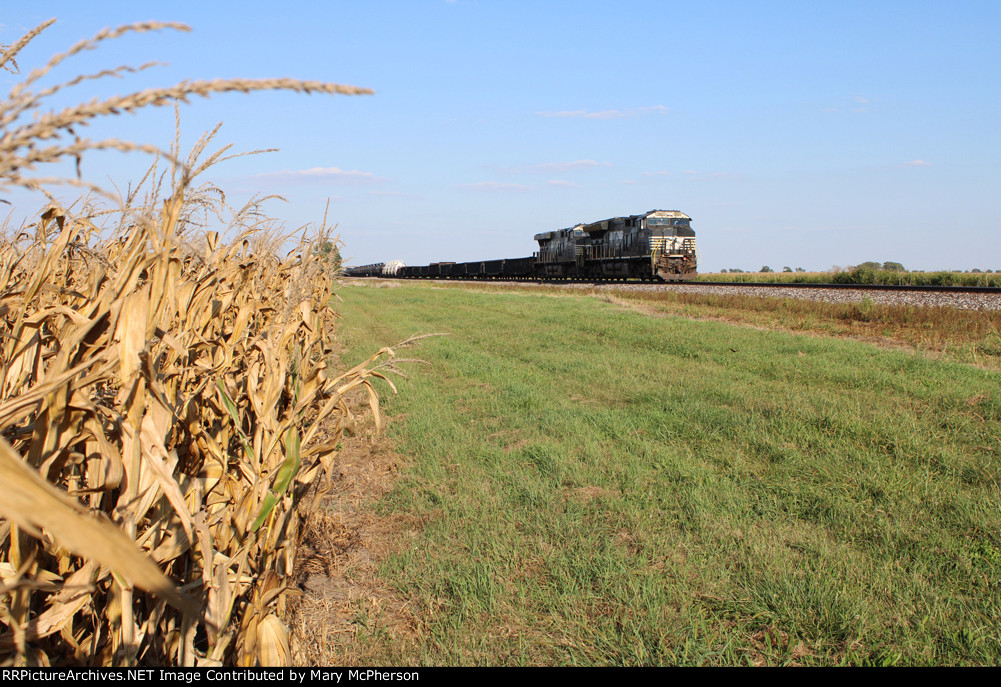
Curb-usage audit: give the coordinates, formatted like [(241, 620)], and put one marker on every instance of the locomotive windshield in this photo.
[(666, 226)]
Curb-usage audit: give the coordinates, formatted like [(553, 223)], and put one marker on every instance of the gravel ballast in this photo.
[(963, 301)]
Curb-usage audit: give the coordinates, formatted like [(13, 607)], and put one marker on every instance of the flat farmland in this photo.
[(591, 484)]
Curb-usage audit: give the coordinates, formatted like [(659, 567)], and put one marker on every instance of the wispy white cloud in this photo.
[(496, 186), (564, 166), (393, 194), (862, 104), (552, 167), (706, 176), (607, 114), (917, 163), (502, 187), (334, 175), (648, 177)]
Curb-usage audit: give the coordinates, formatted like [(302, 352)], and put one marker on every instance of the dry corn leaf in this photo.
[(33, 502), (273, 643)]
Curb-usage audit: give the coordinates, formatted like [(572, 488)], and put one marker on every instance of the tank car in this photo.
[(378, 269)]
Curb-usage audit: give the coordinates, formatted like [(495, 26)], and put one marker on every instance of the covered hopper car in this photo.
[(656, 245)]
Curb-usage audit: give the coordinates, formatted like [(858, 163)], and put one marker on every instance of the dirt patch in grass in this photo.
[(653, 311), (769, 641), (589, 493), (347, 615)]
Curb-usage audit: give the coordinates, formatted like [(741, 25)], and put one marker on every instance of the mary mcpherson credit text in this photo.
[(190, 675)]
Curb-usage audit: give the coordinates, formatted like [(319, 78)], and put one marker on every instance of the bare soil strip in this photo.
[(346, 614)]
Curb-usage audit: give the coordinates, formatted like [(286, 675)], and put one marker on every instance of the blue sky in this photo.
[(806, 134)]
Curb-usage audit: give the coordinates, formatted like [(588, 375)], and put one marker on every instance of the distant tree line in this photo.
[(766, 268), (887, 266)]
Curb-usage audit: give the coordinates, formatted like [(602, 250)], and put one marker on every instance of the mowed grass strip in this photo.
[(966, 336), (602, 487)]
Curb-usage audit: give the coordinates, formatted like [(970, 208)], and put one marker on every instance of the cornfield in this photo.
[(166, 405)]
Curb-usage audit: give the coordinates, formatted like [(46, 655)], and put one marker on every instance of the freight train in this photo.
[(656, 245)]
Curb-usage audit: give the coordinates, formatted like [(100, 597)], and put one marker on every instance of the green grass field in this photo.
[(965, 336), (596, 486)]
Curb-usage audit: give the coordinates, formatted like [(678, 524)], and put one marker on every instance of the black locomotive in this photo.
[(657, 245)]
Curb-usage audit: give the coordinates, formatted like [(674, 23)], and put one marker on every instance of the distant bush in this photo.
[(329, 255)]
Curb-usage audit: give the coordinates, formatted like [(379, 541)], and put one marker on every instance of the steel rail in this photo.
[(612, 282)]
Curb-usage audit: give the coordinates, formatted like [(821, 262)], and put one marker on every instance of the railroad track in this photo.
[(746, 284), (961, 297), (636, 282), (864, 287)]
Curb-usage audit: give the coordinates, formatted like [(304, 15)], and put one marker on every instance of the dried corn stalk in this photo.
[(183, 399), (164, 405)]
